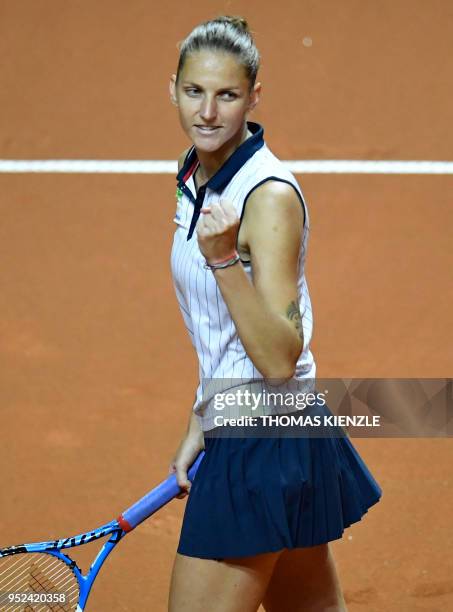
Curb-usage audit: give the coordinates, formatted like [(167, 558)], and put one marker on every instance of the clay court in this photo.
[(97, 374)]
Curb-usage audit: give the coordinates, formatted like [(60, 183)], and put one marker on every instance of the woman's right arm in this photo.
[(193, 441), (186, 453)]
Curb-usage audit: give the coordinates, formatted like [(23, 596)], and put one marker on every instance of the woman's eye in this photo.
[(226, 95), (229, 95)]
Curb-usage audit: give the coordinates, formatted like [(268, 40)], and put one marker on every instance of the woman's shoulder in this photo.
[(266, 168), (182, 158)]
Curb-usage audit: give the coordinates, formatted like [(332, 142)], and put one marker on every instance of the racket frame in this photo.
[(116, 529)]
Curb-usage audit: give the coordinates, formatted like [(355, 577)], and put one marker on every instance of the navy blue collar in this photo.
[(233, 164)]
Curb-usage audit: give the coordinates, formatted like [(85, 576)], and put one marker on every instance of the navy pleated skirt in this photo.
[(253, 495)]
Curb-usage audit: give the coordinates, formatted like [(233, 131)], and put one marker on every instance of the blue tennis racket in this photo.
[(38, 576)]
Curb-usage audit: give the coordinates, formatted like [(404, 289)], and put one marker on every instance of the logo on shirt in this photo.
[(178, 194)]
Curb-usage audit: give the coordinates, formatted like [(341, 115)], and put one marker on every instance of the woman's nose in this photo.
[(208, 109)]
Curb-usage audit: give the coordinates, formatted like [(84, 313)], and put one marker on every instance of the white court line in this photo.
[(325, 166)]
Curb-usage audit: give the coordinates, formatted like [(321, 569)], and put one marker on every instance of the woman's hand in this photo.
[(217, 231), (187, 452)]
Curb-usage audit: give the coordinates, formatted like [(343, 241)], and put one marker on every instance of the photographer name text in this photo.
[(292, 420)]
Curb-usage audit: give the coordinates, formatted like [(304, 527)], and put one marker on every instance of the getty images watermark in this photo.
[(327, 407), (298, 401)]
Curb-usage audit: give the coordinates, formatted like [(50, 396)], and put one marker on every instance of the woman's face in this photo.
[(213, 98)]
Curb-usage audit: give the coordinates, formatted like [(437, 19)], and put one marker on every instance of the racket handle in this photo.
[(155, 499)]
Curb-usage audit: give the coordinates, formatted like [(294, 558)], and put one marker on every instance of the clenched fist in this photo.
[(217, 231)]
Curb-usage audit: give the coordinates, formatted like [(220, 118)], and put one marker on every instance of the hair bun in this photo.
[(238, 22)]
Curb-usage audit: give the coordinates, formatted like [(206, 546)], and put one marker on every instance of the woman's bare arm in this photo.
[(266, 312)]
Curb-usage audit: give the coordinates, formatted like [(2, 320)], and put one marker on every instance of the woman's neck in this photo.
[(210, 162)]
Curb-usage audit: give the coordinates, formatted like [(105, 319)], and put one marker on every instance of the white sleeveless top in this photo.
[(223, 362)]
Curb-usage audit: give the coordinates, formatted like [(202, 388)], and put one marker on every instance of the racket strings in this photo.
[(37, 573)]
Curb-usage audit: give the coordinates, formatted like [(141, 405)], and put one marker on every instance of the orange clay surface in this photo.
[(97, 374)]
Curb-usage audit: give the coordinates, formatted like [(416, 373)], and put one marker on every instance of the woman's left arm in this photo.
[(265, 312)]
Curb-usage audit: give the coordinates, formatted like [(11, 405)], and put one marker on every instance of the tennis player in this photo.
[(261, 510)]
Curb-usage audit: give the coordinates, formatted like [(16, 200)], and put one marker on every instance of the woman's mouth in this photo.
[(206, 130)]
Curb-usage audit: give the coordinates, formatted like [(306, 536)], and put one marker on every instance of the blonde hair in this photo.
[(225, 33)]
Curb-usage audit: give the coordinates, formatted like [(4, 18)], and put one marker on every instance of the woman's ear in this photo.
[(255, 95), (172, 90)]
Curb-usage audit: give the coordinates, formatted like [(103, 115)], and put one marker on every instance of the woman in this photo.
[(261, 510)]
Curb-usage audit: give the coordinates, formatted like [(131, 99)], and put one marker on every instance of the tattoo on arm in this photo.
[(293, 314)]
